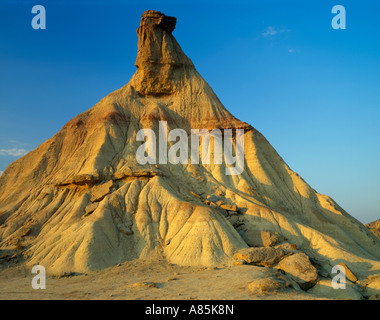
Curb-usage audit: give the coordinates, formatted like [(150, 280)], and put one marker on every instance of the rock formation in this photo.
[(81, 201), (374, 227)]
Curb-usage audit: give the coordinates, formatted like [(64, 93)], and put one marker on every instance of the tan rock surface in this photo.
[(299, 267), (268, 285), (256, 238), (266, 257), (146, 280), (374, 227)]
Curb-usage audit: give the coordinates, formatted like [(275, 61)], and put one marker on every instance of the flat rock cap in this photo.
[(151, 17)]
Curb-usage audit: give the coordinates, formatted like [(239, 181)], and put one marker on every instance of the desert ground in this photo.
[(148, 280)]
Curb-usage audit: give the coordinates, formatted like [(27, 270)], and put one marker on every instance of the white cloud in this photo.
[(272, 31), (14, 152)]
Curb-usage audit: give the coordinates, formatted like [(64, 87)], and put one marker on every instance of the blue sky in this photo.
[(314, 92)]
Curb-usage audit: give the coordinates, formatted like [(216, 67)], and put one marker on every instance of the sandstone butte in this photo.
[(81, 202)]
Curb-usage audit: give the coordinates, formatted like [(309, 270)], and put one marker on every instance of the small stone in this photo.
[(266, 285), (266, 257), (269, 239), (91, 208), (144, 284), (212, 198), (299, 267), (349, 275), (323, 273), (195, 195), (68, 275), (100, 191), (239, 262), (255, 238), (219, 209), (26, 232), (229, 207), (125, 230), (233, 220)]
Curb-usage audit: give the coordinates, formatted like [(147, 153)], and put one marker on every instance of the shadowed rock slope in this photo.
[(80, 201)]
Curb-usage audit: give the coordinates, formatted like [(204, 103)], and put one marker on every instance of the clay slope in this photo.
[(81, 201)]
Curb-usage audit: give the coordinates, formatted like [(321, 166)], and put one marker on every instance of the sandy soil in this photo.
[(143, 280)]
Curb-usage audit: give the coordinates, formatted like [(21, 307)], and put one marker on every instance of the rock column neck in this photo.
[(160, 61)]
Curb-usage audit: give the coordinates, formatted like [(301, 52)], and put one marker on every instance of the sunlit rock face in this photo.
[(82, 201)]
